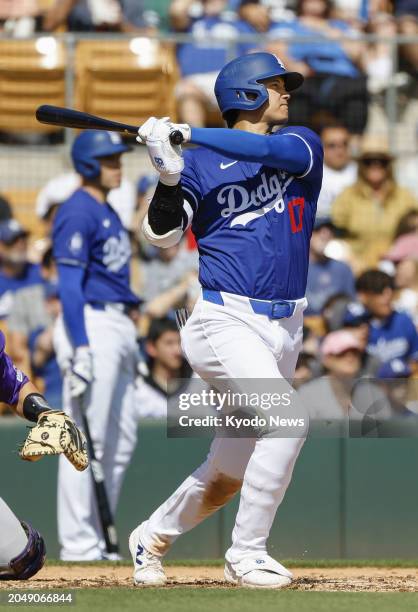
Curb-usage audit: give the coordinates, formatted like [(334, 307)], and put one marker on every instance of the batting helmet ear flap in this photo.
[(89, 169)]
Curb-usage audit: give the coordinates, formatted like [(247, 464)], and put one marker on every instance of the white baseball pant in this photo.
[(13, 538), (233, 342), (112, 418)]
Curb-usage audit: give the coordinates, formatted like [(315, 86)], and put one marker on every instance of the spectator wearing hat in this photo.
[(340, 170), (370, 210), (16, 271), (326, 276), (404, 255), (329, 397), (392, 334), (356, 319)]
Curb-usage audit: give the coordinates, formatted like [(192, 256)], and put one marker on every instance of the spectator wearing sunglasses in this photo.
[(369, 211), (340, 170)]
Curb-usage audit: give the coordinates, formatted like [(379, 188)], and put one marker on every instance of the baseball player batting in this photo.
[(95, 339), (22, 548), (251, 198)]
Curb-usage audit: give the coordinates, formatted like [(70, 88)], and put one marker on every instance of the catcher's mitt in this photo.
[(56, 433)]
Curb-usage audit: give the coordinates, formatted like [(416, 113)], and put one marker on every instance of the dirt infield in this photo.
[(306, 579)]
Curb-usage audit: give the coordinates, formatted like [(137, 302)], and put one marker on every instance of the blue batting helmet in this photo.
[(90, 146), (243, 75)]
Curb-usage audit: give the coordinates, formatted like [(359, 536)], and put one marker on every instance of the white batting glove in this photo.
[(166, 158), (144, 132), (81, 375), (184, 128)]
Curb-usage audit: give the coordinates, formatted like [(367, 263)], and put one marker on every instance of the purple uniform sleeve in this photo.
[(11, 379)]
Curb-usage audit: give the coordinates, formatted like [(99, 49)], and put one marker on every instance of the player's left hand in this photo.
[(81, 375), (55, 434)]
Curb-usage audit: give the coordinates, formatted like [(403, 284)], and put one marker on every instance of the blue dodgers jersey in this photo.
[(89, 234), (394, 338), (253, 223)]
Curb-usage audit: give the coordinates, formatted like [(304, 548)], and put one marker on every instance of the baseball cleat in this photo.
[(148, 570), (258, 573)]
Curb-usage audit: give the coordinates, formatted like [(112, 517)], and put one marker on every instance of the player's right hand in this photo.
[(81, 375)]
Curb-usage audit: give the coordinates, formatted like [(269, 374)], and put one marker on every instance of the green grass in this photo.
[(239, 600), (321, 563)]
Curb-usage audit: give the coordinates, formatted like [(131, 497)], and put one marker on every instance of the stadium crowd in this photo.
[(363, 277)]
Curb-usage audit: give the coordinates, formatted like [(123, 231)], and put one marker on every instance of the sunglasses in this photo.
[(375, 161)]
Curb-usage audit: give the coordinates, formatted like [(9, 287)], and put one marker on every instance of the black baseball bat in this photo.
[(105, 514), (68, 117)]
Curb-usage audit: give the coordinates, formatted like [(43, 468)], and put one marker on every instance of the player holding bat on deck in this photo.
[(250, 195), (95, 343)]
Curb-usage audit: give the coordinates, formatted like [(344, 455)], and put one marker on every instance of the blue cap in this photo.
[(355, 314), (397, 368), (11, 230)]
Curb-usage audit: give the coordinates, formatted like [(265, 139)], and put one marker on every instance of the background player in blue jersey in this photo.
[(251, 197), (22, 548), (95, 339)]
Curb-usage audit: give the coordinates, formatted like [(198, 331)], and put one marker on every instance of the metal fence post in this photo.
[(70, 43), (391, 97)]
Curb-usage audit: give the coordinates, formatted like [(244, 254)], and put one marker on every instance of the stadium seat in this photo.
[(31, 73), (127, 80)]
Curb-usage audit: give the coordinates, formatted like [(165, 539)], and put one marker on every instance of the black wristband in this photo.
[(165, 212), (33, 405)]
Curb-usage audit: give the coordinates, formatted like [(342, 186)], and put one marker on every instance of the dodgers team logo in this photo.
[(116, 252), (159, 162), (266, 196)]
